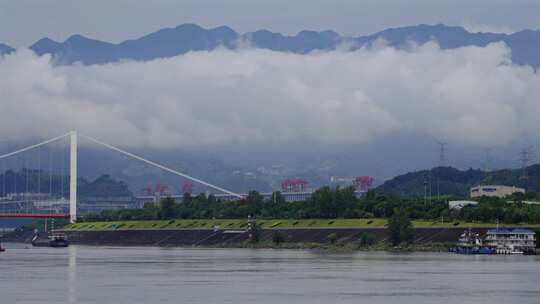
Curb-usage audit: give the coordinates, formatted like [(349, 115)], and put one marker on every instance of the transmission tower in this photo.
[(442, 153), (524, 158), (442, 163), (487, 160), (486, 166)]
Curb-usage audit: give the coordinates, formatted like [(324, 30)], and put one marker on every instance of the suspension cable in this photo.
[(160, 166), (61, 170), (50, 172), (15, 176), (33, 146), (26, 182), (4, 178), (39, 171)]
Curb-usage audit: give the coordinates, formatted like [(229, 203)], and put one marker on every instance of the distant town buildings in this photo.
[(494, 191)]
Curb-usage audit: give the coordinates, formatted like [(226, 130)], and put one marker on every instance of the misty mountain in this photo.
[(303, 42), (5, 49), (77, 48), (452, 181), (164, 43), (174, 41), (170, 42), (524, 44), (448, 37), (95, 162)]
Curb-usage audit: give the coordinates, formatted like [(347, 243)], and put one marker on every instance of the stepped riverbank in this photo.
[(312, 233), (291, 238)]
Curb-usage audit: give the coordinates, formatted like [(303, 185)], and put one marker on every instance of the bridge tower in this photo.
[(73, 177)]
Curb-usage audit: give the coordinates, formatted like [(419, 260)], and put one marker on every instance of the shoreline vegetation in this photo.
[(331, 219)]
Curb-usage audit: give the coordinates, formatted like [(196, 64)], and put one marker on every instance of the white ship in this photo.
[(511, 241)]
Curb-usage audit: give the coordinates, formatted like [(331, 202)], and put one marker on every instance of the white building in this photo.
[(494, 190), (460, 204)]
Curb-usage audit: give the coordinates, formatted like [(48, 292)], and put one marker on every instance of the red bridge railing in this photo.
[(34, 215)]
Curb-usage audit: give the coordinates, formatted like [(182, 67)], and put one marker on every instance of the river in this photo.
[(81, 274)]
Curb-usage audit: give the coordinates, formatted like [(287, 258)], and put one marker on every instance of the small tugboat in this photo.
[(54, 240), (470, 243)]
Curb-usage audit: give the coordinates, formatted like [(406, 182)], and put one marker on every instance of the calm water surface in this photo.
[(154, 275)]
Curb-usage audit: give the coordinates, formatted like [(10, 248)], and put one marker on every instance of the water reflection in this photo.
[(72, 275)]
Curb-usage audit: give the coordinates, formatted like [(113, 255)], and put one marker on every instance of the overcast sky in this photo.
[(463, 96), (22, 22)]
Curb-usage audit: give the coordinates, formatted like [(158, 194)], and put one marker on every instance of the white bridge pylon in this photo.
[(73, 136)]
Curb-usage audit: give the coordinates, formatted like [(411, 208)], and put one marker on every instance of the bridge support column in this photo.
[(73, 177)]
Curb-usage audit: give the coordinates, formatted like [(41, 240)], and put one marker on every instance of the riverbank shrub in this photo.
[(332, 238), (277, 238), (367, 239), (254, 230)]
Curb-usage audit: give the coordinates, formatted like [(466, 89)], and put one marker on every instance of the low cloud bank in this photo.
[(470, 95)]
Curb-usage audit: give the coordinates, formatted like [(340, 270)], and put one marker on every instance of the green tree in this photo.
[(186, 198), (400, 228), (167, 208)]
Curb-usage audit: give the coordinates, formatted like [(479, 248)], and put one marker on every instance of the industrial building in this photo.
[(494, 191)]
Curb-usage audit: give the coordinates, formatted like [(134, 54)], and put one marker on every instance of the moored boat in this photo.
[(497, 241), (511, 241), (471, 243), (54, 240)]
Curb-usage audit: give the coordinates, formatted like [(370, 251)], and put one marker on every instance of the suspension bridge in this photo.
[(32, 202)]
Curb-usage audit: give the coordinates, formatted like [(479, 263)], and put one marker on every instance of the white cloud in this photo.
[(471, 95), (486, 28)]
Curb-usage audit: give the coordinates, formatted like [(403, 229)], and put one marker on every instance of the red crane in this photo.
[(147, 190), (161, 189), (187, 187), (363, 183), (294, 185)]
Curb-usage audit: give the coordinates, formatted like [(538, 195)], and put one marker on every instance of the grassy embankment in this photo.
[(266, 224)]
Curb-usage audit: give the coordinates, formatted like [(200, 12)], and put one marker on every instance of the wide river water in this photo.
[(118, 275)]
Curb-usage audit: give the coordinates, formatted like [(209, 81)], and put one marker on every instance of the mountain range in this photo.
[(184, 38)]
